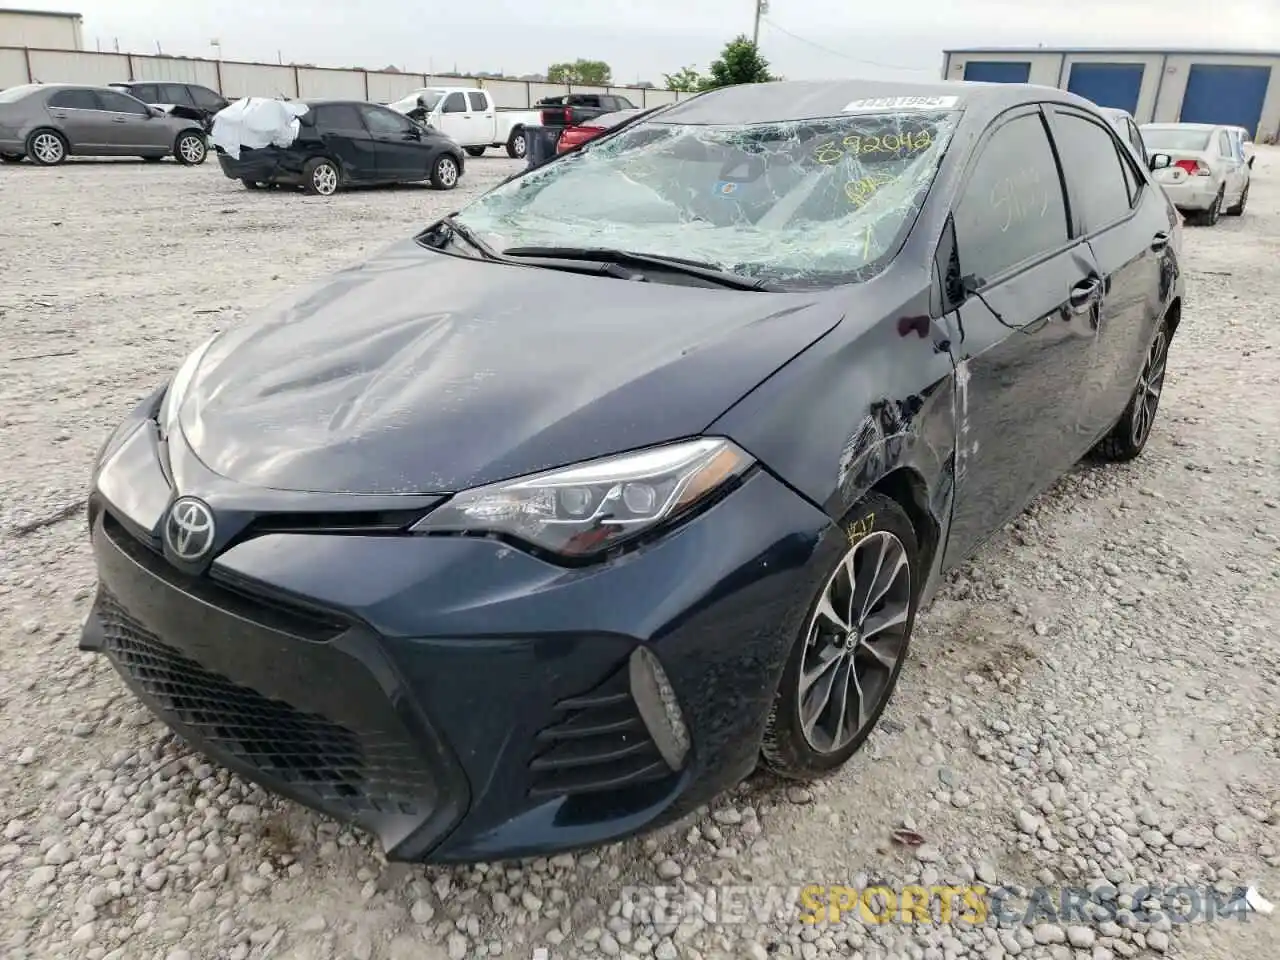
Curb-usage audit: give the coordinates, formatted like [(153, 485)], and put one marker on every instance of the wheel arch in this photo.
[(49, 128), (907, 487), (1173, 316)]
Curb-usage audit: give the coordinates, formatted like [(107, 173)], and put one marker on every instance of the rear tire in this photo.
[(12, 157), (1238, 209), (802, 739), (445, 173), (48, 148), (1210, 217), (191, 149), (476, 151), (320, 177), (1128, 438), (517, 144)]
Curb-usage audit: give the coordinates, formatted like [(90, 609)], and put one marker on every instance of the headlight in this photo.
[(590, 507), (168, 416)]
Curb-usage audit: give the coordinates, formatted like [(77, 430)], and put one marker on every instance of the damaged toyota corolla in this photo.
[(548, 525)]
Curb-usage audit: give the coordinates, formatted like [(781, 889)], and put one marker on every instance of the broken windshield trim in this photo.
[(803, 246)]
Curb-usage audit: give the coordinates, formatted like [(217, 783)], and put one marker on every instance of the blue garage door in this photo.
[(1226, 95), (997, 71), (1107, 84)]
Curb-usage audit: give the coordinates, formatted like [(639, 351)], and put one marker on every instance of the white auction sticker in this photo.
[(876, 104)]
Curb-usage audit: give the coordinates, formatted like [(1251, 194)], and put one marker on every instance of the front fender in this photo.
[(856, 408)]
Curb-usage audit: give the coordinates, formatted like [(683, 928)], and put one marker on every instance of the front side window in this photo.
[(1092, 161), (1012, 209), (384, 123), (454, 103), (146, 92), (806, 203), (119, 103)]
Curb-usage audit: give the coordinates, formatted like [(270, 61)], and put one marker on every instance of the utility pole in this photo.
[(762, 7)]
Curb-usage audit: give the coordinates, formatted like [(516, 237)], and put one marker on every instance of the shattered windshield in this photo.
[(813, 202)]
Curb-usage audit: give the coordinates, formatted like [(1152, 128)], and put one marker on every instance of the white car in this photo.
[(1205, 175), (1123, 123)]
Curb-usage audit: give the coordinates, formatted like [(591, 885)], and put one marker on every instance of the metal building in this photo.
[(41, 29), (1241, 88)]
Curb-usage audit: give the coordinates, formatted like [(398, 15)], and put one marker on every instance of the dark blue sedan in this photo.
[(547, 525)]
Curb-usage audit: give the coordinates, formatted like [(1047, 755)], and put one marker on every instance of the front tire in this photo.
[(517, 144), (1128, 438), (845, 663), (320, 177), (475, 151), (48, 148), (444, 175), (190, 149)]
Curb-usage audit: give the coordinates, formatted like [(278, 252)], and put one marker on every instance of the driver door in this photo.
[(397, 144), (455, 120)]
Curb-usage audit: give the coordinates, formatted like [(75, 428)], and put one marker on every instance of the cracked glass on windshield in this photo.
[(812, 202)]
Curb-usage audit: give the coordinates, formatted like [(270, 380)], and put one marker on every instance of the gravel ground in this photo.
[(1091, 702)]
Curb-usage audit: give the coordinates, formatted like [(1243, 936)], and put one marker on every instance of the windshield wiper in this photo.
[(459, 229), (691, 268)]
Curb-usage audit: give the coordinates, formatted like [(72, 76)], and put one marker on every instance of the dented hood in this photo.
[(418, 372)]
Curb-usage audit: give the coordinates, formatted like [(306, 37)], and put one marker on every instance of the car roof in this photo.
[(785, 100)]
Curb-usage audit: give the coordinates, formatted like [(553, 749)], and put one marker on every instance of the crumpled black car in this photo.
[(342, 143)]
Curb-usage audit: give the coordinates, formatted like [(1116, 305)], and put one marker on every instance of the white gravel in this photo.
[(1092, 701)]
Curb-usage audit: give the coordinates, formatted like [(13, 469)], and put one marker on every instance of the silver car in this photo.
[(48, 122)]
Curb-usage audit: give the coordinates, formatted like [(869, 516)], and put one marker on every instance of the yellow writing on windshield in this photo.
[(861, 190), (857, 145)]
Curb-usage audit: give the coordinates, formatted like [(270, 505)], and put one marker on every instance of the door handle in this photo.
[(1083, 294), (118, 120), (59, 116), (1159, 241)]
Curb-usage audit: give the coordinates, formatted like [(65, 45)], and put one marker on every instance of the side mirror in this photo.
[(1160, 161), (949, 287)]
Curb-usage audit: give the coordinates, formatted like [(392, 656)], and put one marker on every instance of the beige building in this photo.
[(41, 29)]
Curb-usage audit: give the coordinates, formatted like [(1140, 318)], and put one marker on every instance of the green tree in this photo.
[(684, 80), (594, 73), (740, 62)]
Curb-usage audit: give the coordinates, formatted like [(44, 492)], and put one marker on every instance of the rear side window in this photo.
[(454, 103), (1012, 208), (1091, 158), (339, 118), (477, 102), (1224, 144), (75, 100)]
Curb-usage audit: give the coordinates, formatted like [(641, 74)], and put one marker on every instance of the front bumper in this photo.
[(456, 697)]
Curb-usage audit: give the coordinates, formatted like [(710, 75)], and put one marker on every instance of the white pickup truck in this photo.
[(469, 116)]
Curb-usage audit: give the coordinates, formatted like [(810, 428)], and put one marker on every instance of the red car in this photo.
[(578, 135)]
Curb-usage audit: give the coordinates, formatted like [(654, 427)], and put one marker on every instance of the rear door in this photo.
[(1231, 161), (397, 143), (346, 140), (133, 126), (78, 114), (1028, 328), (484, 117), (1126, 221)]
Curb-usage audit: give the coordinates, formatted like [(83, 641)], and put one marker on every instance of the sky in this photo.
[(802, 39)]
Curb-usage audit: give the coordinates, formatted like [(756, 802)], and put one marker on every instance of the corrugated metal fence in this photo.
[(234, 79)]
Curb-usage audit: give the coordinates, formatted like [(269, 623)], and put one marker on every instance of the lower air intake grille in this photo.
[(358, 772), (597, 743)]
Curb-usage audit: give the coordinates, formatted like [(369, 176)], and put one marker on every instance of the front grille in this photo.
[(355, 771), (597, 743)]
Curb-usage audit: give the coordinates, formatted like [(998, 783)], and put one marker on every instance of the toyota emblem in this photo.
[(189, 531)]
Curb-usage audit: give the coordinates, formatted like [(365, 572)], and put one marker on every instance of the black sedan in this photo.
[(348, 143), (493, 555)]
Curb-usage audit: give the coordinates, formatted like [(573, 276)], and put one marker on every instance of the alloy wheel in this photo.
[(448, 171), (192, 149), (856, 637), (519, 145), (48, 148), (1146, 398), (325, 179)]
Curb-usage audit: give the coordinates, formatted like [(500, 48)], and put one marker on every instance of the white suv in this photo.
[(1206, 174)]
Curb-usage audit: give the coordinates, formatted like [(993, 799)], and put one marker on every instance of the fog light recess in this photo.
[(655, 698)]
